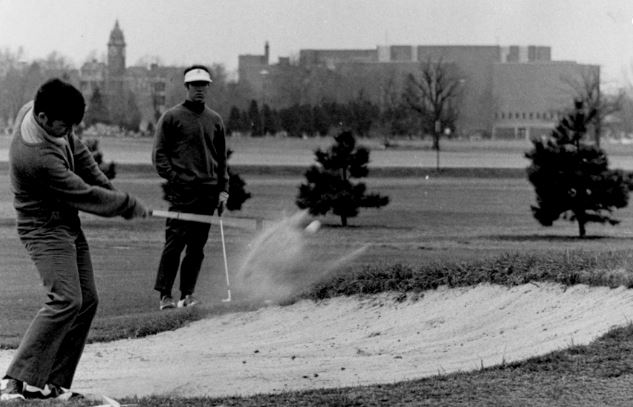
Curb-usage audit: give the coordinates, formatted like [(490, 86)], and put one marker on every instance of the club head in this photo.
[(227, 299)]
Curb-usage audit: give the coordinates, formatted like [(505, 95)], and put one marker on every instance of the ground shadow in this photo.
[(338, 226), (554, 238)]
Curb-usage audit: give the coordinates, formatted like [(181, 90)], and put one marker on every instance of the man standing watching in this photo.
[(190, 154), (53, 177)]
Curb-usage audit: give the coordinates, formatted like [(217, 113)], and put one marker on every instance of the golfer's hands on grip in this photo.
[(137, 211), (222, 198)]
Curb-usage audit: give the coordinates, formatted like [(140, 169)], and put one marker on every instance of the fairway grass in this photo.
[(441, 231)]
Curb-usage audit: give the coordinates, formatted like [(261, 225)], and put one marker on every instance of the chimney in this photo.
[(266, 53)]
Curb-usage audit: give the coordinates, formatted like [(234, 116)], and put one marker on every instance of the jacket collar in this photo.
[(33, 133)]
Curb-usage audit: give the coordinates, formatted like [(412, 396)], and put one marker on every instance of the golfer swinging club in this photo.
[(190, 154), (53, 176)]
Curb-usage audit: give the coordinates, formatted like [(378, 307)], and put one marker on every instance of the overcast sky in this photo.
[(217, 31)]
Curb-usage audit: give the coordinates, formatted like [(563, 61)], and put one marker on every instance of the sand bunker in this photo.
[(353, 341)]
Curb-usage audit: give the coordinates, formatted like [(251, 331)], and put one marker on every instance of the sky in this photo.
[(181, 32)]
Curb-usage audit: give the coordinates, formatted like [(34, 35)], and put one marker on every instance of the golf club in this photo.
[(226, 266), (193, 217), (242, 223)]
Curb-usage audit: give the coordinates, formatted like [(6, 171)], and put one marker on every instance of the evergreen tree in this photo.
[(235, 120), (306, 121), (571, 178), (321, 120), (237, 193), (362, 113), (97, 111), (132, 117), (329, 186), (255, 119), (108, 168), (290, 120), (270, 120)]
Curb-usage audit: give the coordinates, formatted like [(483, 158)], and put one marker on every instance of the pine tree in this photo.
[(234, 123), (237, 193), (571, 178), (108, 168), (97, 111), (255, 118), (329, 186)]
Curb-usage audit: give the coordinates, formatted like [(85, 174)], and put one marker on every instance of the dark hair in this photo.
[(192, 67), (60, 100)]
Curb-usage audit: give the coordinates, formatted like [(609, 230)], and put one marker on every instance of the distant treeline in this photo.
[(359, 115)]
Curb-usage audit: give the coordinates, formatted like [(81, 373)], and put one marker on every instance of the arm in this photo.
[(69, 188), (161, 148)]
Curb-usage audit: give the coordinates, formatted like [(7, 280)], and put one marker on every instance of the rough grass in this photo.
[(612, 269)]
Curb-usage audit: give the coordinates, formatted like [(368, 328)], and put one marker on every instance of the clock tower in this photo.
[(116, 52), (116, 90)]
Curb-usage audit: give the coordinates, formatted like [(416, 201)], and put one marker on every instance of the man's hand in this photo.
[(224, 196), (137, 211)]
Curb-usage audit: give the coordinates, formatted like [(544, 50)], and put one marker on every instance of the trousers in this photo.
[(187, 236), (53, 344)]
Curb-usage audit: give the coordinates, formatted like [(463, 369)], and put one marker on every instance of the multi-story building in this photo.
[(507, 92), (146, 88)]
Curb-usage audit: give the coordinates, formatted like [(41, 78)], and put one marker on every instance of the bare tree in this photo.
[(586, 88), (20, 79), (390, 102), (434, 93)]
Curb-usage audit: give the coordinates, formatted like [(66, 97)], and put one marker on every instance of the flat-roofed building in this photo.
[(500, 84)]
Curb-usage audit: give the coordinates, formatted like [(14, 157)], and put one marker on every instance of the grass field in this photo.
[(439, 220), (271, 151), (427, 221)]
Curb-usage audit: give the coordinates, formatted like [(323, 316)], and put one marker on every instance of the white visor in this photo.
[(197, 75)]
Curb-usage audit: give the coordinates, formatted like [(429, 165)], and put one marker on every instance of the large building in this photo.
[(507, 92), (145, 89)]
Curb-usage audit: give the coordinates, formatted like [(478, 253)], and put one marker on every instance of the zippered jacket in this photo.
[(190, 147)]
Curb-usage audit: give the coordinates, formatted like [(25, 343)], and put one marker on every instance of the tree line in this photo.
[(359, 115)]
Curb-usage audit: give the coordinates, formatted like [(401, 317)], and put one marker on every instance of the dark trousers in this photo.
[(179, 235), (52, 346)]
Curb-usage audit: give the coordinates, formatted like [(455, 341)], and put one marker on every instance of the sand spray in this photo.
[(280, 261)]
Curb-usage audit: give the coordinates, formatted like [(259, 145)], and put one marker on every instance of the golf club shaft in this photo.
[(242, 223), (226, 265), (193, 217)]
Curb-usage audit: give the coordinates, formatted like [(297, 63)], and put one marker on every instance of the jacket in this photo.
[(55, 177)]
